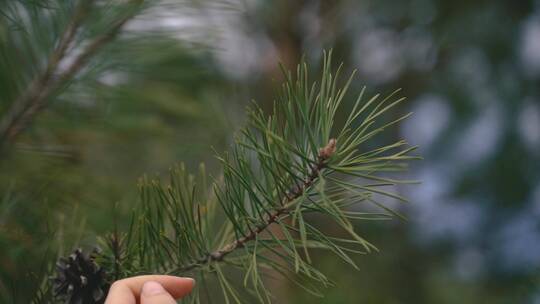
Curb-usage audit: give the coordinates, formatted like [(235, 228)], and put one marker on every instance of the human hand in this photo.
[(149, 289)]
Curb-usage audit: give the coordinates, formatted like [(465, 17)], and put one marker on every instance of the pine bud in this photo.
[(328, 150)]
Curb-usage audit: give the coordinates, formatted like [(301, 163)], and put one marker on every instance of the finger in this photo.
[(153, 293), (127, 291)]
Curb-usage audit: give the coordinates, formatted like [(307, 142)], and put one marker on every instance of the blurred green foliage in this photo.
[(144, 103)]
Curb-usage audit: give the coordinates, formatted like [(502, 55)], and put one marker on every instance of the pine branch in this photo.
[(274, 175), (11, 123), (294, 193), (35, 97)]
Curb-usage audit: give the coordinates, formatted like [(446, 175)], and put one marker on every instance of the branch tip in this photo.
[(327, 151)]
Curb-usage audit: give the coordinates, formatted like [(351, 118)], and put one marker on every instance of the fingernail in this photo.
[(192, 281), (152, 288)]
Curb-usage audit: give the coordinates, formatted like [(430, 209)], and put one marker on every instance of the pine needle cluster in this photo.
[(234, 232)]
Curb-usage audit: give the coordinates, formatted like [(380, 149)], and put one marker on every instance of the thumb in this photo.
[(153, 293)]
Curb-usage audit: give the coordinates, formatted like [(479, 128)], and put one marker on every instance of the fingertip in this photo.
[(187, 285), (179, 286), (191, 281)]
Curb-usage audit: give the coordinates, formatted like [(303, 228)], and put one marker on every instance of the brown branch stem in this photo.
[(34, 98)]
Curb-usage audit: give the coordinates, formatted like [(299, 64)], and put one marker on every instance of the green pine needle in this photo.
[(252, 222)]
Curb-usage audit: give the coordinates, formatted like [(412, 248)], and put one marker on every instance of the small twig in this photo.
[(9, 125), (34, 98), (217, 256)]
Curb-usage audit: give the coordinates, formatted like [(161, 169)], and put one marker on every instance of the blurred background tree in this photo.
[(141, 102), (173, 83)]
